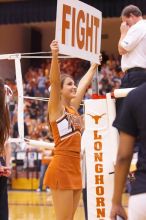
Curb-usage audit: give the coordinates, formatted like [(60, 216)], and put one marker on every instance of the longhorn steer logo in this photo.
[(96, 117)]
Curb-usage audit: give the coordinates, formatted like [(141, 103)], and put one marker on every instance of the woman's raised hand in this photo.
[(54, 47), (95, 65)]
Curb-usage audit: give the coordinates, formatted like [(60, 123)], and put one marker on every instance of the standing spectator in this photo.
[(4, 152), (46, 158), (41, 83), (132, 48)]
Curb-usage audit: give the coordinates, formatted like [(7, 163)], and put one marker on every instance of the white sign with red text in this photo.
[(78, 30), (100, 140)]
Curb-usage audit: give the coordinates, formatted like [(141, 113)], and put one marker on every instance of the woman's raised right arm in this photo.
[(54, 105)]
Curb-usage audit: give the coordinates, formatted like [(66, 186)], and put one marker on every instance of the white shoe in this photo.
[(48, 190), (38, 190)]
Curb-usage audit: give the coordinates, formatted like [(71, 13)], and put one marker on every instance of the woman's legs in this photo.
[(65, 203), (76, 199)]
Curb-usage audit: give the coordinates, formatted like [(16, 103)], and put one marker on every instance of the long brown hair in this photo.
[(4, 117), (63, 77)]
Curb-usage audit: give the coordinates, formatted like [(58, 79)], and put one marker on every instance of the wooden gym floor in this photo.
[(31, 205)]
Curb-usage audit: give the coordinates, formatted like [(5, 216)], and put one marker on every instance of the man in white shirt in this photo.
[(133, 50), (133, 39)]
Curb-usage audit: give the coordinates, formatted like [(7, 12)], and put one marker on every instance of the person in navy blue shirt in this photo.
[(131, 125)]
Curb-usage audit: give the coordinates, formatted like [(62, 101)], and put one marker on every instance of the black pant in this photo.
[(85, 203), (130, 80), (3, 195)]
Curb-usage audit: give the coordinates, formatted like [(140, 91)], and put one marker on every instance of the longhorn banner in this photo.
[(100, 140)]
